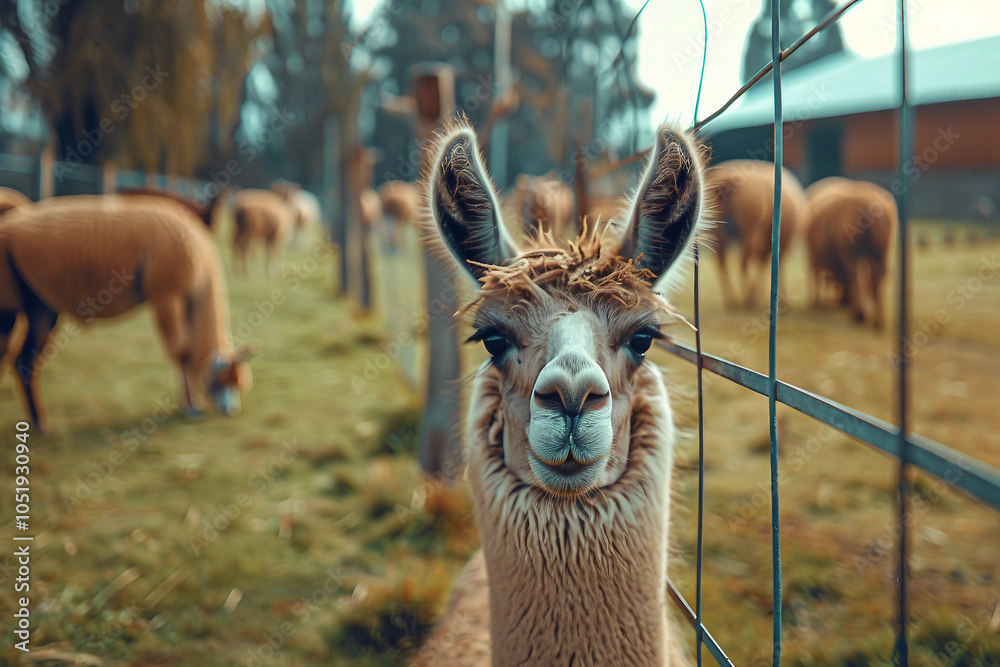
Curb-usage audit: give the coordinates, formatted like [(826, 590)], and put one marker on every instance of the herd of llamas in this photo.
[(569, 433)]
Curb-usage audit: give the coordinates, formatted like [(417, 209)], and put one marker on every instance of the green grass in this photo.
[(310, 511)]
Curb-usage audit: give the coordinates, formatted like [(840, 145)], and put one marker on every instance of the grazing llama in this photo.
[(743, 197), (261, 216), (850, 227), (10, 198), (569, 434), (100, 256), (544, 202)]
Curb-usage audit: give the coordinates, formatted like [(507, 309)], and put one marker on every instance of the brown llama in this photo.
[(261, 217), (400, 207), (100, 256), (743, 197), (546, 203), (569, 434), (850, 228), (306, 211), (10, 198)]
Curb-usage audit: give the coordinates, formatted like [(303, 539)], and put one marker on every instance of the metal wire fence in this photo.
[(963, 472)]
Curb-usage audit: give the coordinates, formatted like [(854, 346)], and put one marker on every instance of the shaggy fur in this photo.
[(596, 564), (850, 228), (576, 574), (743, 197), (100, 256), (261, 216), (10, 198)]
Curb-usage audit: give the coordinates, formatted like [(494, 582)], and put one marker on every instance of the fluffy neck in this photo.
[(576, 581)]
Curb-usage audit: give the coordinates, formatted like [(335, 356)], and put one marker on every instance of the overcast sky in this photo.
[(670, 41)]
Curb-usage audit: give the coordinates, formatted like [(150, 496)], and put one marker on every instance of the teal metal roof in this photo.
[(847, 84)]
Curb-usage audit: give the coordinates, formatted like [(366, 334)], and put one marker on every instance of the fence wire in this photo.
[(978, 480)]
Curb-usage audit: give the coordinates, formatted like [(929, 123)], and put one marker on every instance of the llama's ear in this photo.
[(465, 207), (663, 216)]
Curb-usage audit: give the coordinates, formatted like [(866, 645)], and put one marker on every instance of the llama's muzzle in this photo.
[(570, 430)]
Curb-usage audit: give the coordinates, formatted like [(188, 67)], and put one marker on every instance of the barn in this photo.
[(840, 119)]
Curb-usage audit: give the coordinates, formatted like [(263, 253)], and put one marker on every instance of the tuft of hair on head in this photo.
[(463, 210), (667, 211)]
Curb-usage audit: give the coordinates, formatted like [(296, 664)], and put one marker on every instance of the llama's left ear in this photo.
[(464, 205), (662, 219)]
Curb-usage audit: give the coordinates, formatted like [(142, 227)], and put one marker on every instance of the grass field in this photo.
[(302, 533)]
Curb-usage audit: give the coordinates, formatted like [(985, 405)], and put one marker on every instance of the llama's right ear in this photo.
[(662, 219), (465, 207)]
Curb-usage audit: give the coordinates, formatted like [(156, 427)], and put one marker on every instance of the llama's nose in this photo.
[(572, 385)]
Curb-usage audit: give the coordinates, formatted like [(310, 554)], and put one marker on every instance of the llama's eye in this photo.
[(640, 342), (496, 344)]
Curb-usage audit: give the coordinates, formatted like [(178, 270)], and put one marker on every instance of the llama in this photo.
[(546, 203), (100, 256), (850, 227), (10, 198), (306, 211), (569, 433), (743, 192), (400, 207), (261, 216)]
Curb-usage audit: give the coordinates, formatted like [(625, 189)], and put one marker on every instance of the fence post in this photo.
[(359, 178), (109, 176), (46, 173), (439, 450)]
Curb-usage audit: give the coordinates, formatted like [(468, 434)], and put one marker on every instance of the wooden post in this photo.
[(439, 441), (46, 173), (501, 85), (343, 210), (360, 174), (109, 175)]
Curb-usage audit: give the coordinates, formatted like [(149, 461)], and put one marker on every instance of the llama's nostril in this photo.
[(572, 404), (595, 401), (584, 402), (550, 401)]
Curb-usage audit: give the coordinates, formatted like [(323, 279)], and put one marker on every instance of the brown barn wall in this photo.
[(958, 135)]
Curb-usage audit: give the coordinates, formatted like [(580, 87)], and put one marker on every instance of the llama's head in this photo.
[(568, 328), (227, 378)]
